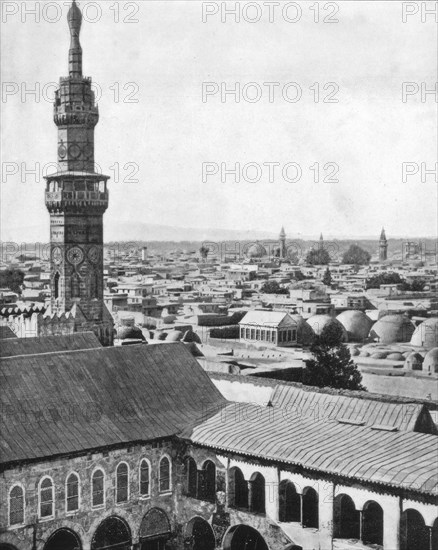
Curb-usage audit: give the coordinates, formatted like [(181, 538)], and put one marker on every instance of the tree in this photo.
[(12, 279), (318, 257), (204, 252), (331, 365), (356, 255), (327, 279), (384, 279), (272, 287)]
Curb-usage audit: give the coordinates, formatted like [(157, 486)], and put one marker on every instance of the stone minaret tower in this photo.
[(76, 198), (282, 240), (383, 246), (321, 242)]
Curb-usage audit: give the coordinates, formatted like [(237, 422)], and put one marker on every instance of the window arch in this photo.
[(191, 477), (310, 508), (122, 482), (290, 502), (145, 478), (257, 499), (72, 493), (75, 286), (112, 532), (201, 534), (16, 505), (98, 488), (207, 483), (238, 489), (46, 498), (56, 284), (413, 532), (372, 523), (165, 473), (243, 536), (63, 538), (346, 518)]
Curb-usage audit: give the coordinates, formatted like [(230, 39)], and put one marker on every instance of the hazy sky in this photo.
[(170, 132)]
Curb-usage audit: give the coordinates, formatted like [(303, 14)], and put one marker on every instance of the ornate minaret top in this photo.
[(383, 246), (74, 18), (383, 235)]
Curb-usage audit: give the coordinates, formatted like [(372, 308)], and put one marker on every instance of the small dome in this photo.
[(256, 250), (128, 332), (426, 334), (174, 336), (414, 361), (392, 328), (364, 353), (354, 352), (356, 323), (396, 356), (320, 323), (430, 363), (379, 355)]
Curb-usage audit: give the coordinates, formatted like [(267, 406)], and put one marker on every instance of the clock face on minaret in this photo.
[(76, 196)]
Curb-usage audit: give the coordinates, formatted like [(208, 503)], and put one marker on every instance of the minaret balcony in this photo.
[(61, 201)]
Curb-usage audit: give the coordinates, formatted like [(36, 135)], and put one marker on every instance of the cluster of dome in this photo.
[(392, 328)]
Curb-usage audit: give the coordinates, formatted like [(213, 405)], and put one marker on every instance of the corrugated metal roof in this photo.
[(400, 459), (49, 344), (74, 401), (324, 406)]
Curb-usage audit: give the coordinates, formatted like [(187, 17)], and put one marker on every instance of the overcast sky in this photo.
[(170, 132)]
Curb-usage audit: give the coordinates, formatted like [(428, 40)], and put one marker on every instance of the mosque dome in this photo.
[(395, 356), (320, 323), (392, 328), (413, 361), (426, 334), (256, 250), (305, 333), (431, 361), (190, 336), (356, 323)]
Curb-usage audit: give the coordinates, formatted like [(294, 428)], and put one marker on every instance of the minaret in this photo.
[(77, 197), (282, 239), (321, 243), (383, 246)]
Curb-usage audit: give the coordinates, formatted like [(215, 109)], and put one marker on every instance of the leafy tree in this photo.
[(204, 252), (318, 257), (384, 279), (356, 255), (272, 287), (327, 279), (12, 279), (331, 365), (417, 285)]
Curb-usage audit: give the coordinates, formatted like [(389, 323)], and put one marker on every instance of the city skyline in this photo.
[(170, 132)]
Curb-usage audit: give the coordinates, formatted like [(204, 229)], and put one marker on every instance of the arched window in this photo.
[(145, 481), (46, 496), (98, 488), (112, 533), (191, 477), (56, 285), (290, 502), (241, 537), (164, 483), (16, 505), (207, 482), (200, 533), (65, 539), (154, 530), (257, 503), (372, 523), (435, 535), (238, 489), (72, 493), (413, 533), (122, 482), (310, 508), (346, 518)]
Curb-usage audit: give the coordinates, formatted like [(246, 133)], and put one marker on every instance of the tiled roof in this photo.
[(399, 459), (49, 344), (6, 333), (326, 406), (66, 402), (266, 318)]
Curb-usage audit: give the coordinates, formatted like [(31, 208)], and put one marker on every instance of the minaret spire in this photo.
[(74, 18)]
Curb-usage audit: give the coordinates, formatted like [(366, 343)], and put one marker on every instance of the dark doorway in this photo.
[(63, 539), (113, 533), (347, 518), (154, 530), (413, 533), (243, 537), (372, 523), (199, 535)]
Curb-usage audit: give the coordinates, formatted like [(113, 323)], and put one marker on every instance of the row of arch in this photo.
[(75, 285), (200, 484), (366, 525), (155, 530), (46, 490)]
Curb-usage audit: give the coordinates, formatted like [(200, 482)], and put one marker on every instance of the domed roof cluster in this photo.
[(256, 250), (320, 323), (392, 328), (426, 334), (356, 323)]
